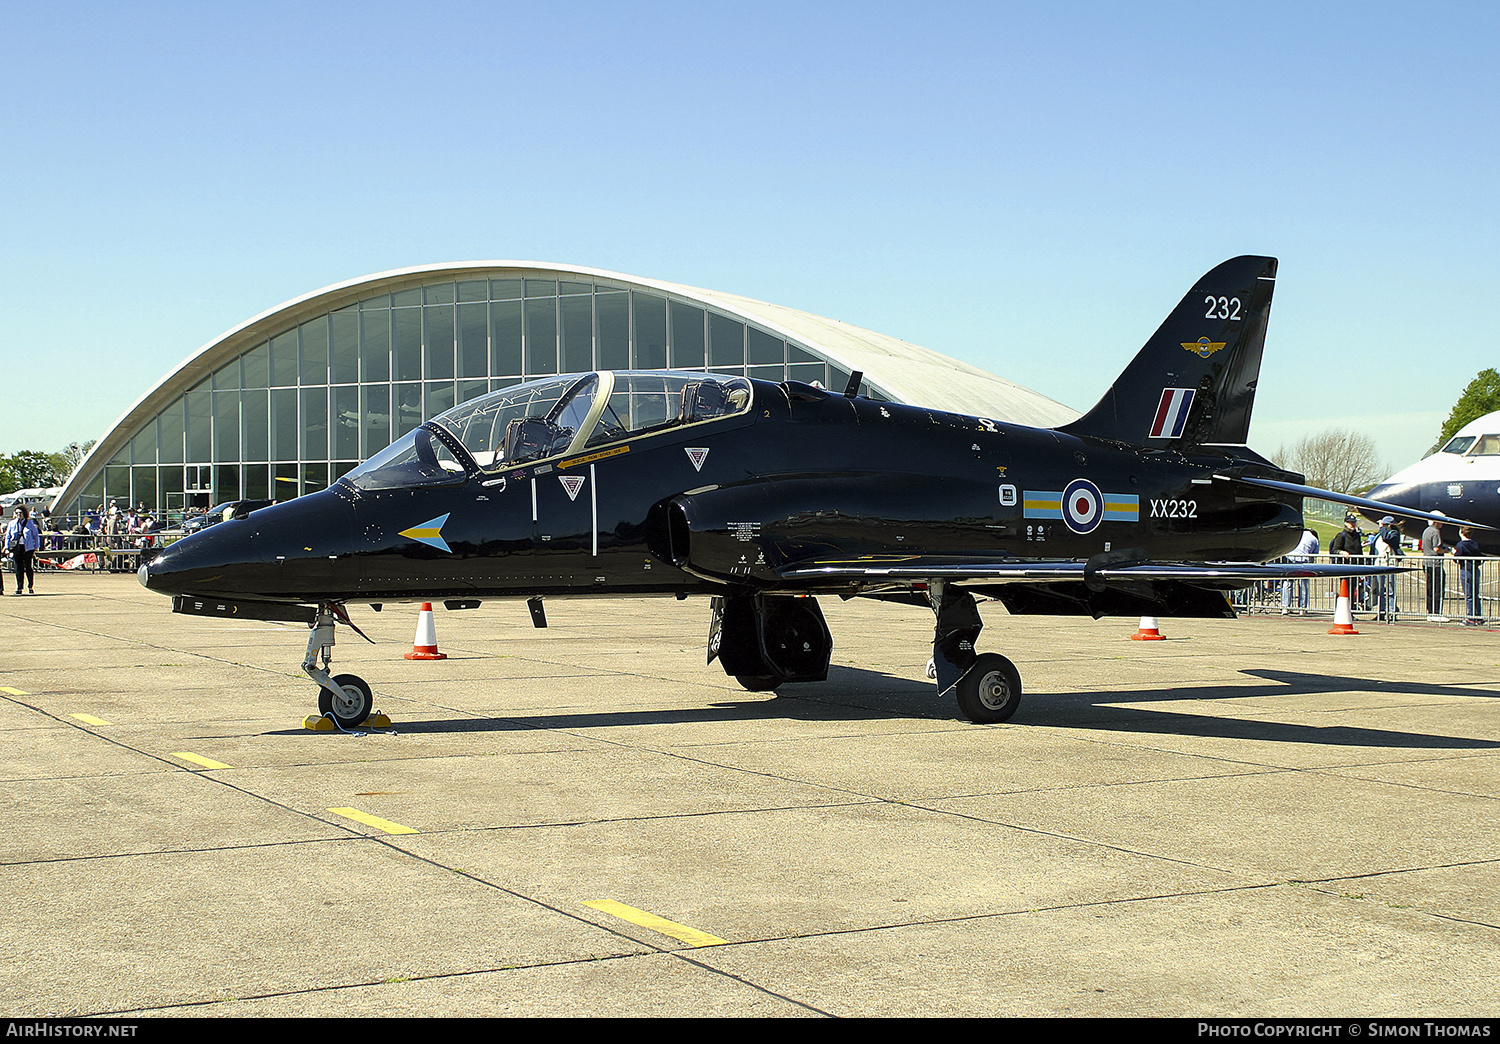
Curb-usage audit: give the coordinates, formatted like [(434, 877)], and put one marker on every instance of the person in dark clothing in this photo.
[(1348, 545), (1467, 552)]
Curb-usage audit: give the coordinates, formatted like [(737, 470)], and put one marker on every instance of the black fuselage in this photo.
[(696, 510)]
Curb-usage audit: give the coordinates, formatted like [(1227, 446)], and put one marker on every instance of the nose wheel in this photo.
[(346, 697), (351, 704)]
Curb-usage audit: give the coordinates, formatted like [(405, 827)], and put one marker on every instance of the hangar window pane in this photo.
[(505, 289), (472, 390), (439, 293), (726, 342), (284, 358), (143, 481), (577, 333), (505, 338), (284, 483), (404, 298), (438, 335), (314, 477), (765, 349), (439, 398), (379, 301), (800, 355), (541, 288), (345, 421), (776, 374), (473, 340), (257, 367), (226, 482), (575, 288), (613, 331), (255, 415), (228, 376), (473, 290), (688, 339), (143, 446), (807, 373), (374, 419), (117, 483), (171, 428), (406, 343), (406, 403), (344, 346), (314, 351), (199, 427), (375, 346), (314, 423), (257, 484), (226, 425), (169, 490), (650, 331), (284, 424), (541, 336)]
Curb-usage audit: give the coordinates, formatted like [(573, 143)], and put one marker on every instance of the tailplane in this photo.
[(1193, 384)]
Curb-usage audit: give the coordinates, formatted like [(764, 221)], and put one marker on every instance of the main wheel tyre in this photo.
[(353, 704), (991, 690), (758, 682)]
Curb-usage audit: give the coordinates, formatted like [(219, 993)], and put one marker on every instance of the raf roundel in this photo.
[(1082, 506)]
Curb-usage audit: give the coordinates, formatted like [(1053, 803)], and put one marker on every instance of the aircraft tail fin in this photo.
[(1193, 383)]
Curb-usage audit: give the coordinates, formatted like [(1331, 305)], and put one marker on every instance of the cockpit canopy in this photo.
[(547, 418)]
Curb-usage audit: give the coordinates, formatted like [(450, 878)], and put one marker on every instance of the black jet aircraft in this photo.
[(763, 496)]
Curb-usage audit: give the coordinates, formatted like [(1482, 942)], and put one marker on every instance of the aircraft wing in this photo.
[(1349, 500), (1012, 570)]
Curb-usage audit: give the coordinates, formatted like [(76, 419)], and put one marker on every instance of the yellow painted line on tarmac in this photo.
[(691, 936), (14, 692), (89, 719), (372, 821), (198, 759)]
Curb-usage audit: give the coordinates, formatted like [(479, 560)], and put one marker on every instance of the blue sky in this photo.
[(1029, 187)]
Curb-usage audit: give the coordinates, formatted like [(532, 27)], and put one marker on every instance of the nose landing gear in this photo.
[(344, 697)]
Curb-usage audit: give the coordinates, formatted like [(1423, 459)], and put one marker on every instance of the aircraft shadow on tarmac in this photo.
[(854, 693)]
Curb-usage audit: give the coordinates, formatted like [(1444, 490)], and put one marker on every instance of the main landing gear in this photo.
[(345, 697), (988, 687)]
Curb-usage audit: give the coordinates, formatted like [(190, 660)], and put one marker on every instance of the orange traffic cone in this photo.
[(1343, 618), (424, 646), (1148, 631)]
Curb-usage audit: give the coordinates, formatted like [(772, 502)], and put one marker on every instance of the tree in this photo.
[(1339, 460), (1480, 397), (28, 469)]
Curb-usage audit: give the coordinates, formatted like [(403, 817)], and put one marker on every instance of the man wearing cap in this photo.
[(1349, 544), (1433, 549), (1387, 547)]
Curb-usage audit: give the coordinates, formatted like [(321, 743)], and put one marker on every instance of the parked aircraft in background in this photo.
[(763, 496), (1462, 479)]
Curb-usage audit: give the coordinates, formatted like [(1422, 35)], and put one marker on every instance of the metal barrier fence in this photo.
[(1403, 596)]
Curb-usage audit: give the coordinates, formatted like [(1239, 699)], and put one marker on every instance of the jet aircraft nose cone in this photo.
[(298, 550)]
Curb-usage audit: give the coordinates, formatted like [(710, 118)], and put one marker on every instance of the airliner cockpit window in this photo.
[(1486, 446), (1459, 444)]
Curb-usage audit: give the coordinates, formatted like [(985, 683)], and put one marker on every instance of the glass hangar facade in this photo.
[(287, 403)]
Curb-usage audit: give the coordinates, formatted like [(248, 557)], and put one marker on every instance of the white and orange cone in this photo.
[(1148, 631), (424, 646), (1343, 618)]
